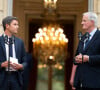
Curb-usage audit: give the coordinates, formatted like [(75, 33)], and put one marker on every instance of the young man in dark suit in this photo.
[(87, 58), (12, 60)]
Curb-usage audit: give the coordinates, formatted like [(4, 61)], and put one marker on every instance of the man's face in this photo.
[(13, 27), (86, 23)]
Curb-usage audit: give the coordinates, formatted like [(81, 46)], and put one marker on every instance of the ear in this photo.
[(7, 25)]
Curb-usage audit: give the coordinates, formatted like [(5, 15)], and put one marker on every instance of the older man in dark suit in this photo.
[(87, 59), (12, 60)]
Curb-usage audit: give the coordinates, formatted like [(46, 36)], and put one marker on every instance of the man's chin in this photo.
[(15, 32), (84, 28)]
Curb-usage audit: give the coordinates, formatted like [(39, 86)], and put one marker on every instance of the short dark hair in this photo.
[(8, 20)]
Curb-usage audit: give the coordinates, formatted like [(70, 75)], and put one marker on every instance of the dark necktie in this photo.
[(10, 48), (87, 42)]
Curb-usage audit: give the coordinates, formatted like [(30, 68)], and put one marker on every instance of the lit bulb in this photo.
[(56, 33), (44, 34), (51, 34), (33, 40), (47, 38), (37, 35), (52, 29), (55, 1), (60, 67), (60, 30), (45, 0), (45, 29), (54, 38), (51, 57), (41, 38), (66, 40), (62, 35), (40, 66), (40, 30), (60, 38)]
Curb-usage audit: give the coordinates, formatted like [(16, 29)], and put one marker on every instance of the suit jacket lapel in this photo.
[(2, 44), (92, 40), (16, 46), (81, 45)]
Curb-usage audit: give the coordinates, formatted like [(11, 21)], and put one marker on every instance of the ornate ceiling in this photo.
[(66, 8)]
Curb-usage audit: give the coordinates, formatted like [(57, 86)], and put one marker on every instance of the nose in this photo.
[(17, 26), (82, 22)]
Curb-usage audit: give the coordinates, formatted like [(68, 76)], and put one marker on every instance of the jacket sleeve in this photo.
[(24, 63), (77, 52), (94, 60)]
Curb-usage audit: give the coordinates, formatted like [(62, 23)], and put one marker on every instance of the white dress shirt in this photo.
[(91, 35), (7, 53)]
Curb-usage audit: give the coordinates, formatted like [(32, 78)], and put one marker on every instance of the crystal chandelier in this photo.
[(50, 45)]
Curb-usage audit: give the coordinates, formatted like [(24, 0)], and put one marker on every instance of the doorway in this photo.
[(68, 27)]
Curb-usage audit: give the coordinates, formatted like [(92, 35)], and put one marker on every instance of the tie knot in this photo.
[(10, 40), (87, 35)]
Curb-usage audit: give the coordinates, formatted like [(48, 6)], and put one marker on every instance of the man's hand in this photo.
[(79, 58), (17, 66), (85, 58), (5, 64)]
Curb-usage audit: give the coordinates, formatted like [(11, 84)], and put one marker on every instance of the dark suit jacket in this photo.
[(88, 73), (20, 55)]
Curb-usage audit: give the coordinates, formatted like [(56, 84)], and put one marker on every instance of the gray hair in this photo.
[(92, 16)]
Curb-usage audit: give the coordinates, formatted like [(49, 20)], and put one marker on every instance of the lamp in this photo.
[(50, 45), (50, 4), (50, 10)]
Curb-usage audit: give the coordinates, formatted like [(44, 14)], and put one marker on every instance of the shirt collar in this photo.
[(5, 35), (93, 32)]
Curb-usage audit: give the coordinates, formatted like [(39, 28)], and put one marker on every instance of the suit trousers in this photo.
[(11, 82)]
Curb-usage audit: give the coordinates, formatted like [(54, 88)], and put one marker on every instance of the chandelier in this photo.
[(50, 10), (50, 4), (50, 45)]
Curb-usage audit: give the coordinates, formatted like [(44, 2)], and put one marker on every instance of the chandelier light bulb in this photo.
[(40, 30), (66, 40), (44, 29), (55, 1), (33, 40), (47, 38), (60, 67), (51, 57)]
